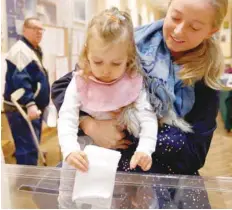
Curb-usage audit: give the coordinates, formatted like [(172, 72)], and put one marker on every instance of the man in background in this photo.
[(25, 70)]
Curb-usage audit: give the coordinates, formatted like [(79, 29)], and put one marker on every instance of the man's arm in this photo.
[(17, 77)]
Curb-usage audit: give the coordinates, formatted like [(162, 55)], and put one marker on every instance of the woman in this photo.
[(177, 50)]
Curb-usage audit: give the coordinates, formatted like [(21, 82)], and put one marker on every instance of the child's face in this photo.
[(187, 24), (107, 62)]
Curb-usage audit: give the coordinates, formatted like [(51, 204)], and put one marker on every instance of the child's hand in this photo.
[(79, 160), (142, 159)]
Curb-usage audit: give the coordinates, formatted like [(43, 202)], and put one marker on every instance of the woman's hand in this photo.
[(105, 133)]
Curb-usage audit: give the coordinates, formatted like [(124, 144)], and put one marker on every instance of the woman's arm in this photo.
[(104, 133), (179, 152), (58, 90), (186, 153)]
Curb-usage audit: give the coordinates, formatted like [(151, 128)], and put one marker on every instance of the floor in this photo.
[(219, 158), (218, 162)]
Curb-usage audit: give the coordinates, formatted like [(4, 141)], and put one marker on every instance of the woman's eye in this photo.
[(97, 62), (175, 18)]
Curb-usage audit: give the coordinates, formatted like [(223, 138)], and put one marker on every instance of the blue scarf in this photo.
[(166, 90)]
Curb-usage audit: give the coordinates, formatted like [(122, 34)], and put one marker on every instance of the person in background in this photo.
[(25, 70)]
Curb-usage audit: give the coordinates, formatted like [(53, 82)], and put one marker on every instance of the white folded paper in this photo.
[(95, 187)]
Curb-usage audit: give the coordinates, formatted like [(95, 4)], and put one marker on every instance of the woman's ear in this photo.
[(212, 32)]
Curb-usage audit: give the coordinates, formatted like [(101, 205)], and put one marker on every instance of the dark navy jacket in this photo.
[(176, 152), (25, 70)]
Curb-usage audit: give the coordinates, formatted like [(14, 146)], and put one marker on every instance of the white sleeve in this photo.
[(68, 121), (148, 124)]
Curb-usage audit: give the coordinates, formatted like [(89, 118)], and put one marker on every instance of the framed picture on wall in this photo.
[(79, 12), (15, 13), (46, 11), (226, 39), (226, 25), (18, 10)]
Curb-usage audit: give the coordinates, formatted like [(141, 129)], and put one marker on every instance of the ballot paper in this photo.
[(95, 187)]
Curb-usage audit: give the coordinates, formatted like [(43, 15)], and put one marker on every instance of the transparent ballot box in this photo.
[(38, 187)]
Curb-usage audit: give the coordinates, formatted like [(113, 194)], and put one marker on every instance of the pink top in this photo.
[(98, 96)]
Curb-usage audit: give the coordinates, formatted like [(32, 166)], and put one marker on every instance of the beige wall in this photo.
[(141, 7), (3, 27), (146, 10), (227, 46)]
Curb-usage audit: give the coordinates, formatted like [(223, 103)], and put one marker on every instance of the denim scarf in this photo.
[(165, 89)]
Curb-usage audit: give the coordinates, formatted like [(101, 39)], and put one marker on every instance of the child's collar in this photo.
[(91, 77), (98, 97)]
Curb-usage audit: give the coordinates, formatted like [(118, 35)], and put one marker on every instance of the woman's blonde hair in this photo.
[(206, 61), (111, 26)]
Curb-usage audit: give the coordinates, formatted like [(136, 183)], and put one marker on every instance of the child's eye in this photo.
[(116, 64), (195, 29)]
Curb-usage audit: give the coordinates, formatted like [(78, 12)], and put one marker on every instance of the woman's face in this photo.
[(187, 24)]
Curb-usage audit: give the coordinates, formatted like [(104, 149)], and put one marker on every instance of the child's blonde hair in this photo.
[(111, 26), (206, 61)]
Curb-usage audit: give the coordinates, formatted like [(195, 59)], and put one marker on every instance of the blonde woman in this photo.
[(182, 63)]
